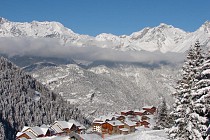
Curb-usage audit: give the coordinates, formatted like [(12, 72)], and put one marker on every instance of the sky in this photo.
[(118, 17)]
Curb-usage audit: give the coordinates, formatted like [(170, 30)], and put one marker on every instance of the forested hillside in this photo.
[(24, 101)]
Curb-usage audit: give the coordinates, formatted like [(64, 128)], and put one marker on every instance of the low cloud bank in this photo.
[(52, 48)]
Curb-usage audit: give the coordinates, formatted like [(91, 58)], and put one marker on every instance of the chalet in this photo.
[(130, 125), (63, 127), (113, 127), (150, 109), (99, 124), (37, 131), (80, 129)]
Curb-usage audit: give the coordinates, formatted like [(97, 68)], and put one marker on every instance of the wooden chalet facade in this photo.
[(113, 127)]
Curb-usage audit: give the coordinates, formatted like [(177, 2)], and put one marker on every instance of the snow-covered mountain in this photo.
[(99, 90), (164, 38)]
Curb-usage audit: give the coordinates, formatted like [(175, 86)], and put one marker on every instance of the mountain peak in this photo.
[(3, 20), (205, 27), (163, 25)]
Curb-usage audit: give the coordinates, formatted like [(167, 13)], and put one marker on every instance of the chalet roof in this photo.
[(82, 127), (98, 122), (104, 118), (32, 136), (115, 123), (130, 123), (18, 134), (148, 107), (25, 128), (141, 111), (77, 124), (74, 122), (37, 130), (44, 126), (64, 124), (124, 129), (56, 129)]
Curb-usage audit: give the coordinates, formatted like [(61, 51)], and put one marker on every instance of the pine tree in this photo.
[(184, 116), (2, 135), (162, 116), (201, 96)]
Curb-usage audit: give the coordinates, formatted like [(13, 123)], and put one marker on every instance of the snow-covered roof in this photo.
[(64, 124), (142, 111), (104, 118), (136, 110), (74, 122), (56, 129), (18, 134), (82, 127), (37, 130), (115, 123), (44, 126), (98, 122), (148, 107), (130, 123), (25, 128), (32, 136), (124, 129), (77, 124)]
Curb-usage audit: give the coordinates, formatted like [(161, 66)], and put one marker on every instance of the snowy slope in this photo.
[(163, 38), (100, 90), (142, 135)]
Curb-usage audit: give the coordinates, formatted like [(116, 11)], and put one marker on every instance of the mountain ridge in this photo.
[(163, 38)]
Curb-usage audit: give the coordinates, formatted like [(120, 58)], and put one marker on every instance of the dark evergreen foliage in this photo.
[(163, 118), (26, 102)]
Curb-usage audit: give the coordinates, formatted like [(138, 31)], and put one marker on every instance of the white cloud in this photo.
[(52, 48)]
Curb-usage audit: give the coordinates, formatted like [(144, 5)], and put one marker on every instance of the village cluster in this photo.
[(125, 122)]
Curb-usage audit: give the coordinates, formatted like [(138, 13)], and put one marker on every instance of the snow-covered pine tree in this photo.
[(162, 116), (2, 135), (183, 113), (201, 96)]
